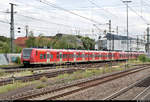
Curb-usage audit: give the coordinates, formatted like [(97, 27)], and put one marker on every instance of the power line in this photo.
[(137, 14), (51, 12), (55, 6), (4, 22), (43, 20), (46, 21), (101, 8)]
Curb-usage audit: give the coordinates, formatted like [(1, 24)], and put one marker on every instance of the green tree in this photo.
[(88, 43), (31, 42), (142, 58)]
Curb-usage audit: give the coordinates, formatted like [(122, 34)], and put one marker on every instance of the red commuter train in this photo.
[(32, 56)]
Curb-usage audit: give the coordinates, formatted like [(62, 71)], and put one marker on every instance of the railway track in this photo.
[(21, 68), (37, 76), (136, 91), (76, 87), (49, 74)]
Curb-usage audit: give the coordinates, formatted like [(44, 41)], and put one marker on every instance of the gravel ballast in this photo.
[(96, 93), (101, 91)]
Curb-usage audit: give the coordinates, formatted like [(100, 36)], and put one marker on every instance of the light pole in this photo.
[(126, 2)]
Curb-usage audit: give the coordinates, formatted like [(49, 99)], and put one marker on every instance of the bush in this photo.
[(142, 58), (2, 72), (43, 79), (41, 86), (18, 60)]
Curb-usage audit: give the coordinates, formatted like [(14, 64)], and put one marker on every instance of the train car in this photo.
[(32, 56)]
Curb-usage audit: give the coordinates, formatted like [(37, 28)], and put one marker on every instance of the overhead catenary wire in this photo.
[(48, 21), (4, 22), (37, 19), (38, 0), (48, 11), (142, 18), (101, 8), (59, 24), (55, 6)]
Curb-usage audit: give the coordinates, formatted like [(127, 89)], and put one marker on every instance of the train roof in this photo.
[(70, 50)]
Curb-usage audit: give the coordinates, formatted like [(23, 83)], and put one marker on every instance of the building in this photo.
[(105, 42), (21, 41)]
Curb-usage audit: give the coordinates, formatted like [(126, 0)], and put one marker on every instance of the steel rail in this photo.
[(36, 76), (102, 79), (125, 89), (141, 95)]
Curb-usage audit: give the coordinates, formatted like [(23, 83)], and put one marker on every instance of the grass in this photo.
[(94, 72), (2, 73), (41, 86), (79, 74), (15, 85), (43, 79), (17, 74), (10, 65)]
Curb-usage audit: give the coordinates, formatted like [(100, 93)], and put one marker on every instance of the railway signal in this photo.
[(19, 30)]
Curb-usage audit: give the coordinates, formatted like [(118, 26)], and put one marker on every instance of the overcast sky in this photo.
[(74, 16)]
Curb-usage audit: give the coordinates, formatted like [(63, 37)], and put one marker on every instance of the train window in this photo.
[(63, 55), (57, 55), (27, 52), (71, 55), (74, 55), (79, 55), (99, 55), (82, 55), (60, 55), (41, 56), (51, 56), (120, 55), (93, 55), (90, 55), (44, 56), (87, 55), (48, 56)]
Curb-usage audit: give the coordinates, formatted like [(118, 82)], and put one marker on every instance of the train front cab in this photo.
[(27, 56)]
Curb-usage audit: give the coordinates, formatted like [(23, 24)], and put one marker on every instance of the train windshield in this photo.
[(27, 53)]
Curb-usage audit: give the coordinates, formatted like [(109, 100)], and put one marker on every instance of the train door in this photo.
[(74, 58), (93, 55), (48, 57), (60, 56), (83, 56)]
